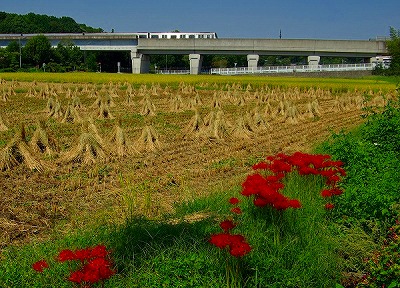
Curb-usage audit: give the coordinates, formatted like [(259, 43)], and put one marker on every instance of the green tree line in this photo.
[(11, 23)]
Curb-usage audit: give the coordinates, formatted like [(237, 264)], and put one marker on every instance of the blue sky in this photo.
[(321, 19)]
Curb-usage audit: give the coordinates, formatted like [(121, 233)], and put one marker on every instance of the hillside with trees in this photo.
[(11, 23)]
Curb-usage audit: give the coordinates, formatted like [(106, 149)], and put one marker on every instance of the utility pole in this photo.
[(20, 50)]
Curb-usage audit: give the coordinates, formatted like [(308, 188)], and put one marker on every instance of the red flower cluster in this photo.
[(235, 201), (99, 251), (329, 206), (39, 266), (95, 270), (237, 244), (227, 225), (96, 267), (266, 189)]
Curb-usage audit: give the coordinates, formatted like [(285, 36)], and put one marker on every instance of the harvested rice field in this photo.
[(80, 149)]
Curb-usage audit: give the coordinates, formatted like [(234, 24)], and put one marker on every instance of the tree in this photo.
[(38, 50), (13, 46), (393, 46), (68, 55), (35, 23)]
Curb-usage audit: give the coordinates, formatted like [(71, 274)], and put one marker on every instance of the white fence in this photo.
[(172, 71), (293, 68)]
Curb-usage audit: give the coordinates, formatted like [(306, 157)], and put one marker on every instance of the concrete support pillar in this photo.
[(252, 60), (140, 63), (195, 63), (313, 60)]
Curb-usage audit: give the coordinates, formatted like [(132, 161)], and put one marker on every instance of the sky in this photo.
[(295, 19)]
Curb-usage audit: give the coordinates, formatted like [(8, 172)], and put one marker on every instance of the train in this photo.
[(177, 35), (151, 35)]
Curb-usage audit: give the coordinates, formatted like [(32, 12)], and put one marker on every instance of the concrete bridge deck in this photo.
[(292, 47)]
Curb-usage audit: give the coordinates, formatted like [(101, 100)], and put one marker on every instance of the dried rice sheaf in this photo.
[(257, 120), (18, 152), (42, 141), (176, 103), (148, 140), (6, 96), (104, 112), (292, 115), (129, 98), (54, 108), (240, 130), (87, 151), (194, 127), (148, 108), (71, 115), (118, 141), (219, 128), (3, 126)]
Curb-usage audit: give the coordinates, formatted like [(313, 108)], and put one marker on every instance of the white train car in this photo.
[(177, 35)]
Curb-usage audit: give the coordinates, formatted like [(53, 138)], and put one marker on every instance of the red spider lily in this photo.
[(83, 254), (331, 192), (234, 201), (266, 189), (76, 276), (253, 184), (286, 203), (236, 210), (97, 267), (237, 244), (275, 178), (221, 240), (329, 206), (260, 201), (39, 266), (280, 166), (99, 251), (96, 270), (326, 193), (227, 225), (239, 248), (260, 166), (332, 180), (294, 203), (306, 170), (66, 255)]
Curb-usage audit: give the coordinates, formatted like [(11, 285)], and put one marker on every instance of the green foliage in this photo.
[(383, 268), (68, 55), (295, 247), (393, 46), (371, 157), (35, 23), (383, 129), (38, 50)]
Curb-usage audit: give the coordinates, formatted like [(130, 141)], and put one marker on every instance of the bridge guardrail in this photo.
[(293, 68), (172, 71)]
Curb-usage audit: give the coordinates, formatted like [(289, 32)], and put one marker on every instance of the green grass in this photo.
[(290, 249)]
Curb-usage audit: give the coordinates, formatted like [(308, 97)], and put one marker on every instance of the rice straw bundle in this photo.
[(148, 140), (42, 141), (17, 152), (87, 151)]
